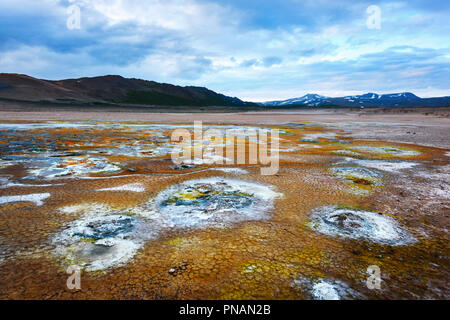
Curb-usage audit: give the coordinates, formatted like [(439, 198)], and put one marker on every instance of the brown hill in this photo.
[(23, 87), (110, 89)]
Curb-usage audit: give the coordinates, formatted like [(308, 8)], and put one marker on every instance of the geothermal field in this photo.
[(351, 195)]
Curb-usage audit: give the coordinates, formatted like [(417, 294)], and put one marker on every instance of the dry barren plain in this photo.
[(98, 190)]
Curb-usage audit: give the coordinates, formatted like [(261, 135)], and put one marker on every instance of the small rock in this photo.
[(434, 265), (183, 167)]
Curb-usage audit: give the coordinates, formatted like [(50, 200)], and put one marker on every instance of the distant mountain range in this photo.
[(117, 90), (110, 89), (404, 99)]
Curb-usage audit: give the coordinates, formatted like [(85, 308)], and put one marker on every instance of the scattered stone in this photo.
[(183, 166)]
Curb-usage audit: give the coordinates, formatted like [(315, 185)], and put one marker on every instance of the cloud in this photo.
[(192, 67), (270, 61), (254, 49), (250, 63)]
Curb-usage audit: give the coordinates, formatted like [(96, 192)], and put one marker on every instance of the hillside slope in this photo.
[(110, 89)]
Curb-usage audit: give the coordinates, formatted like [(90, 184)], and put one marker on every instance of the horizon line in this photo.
[(254, 100)]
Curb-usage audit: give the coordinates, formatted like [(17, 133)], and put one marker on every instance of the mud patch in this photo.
[(326, 289), (393, 166), (358, 224), (74, 167), (232, 170), (98, 243), (392, 151), (36, 198), (132, 187), (212, 202), (361, 180)]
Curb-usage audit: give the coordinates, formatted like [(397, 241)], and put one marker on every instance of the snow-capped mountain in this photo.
[(403, 99), (308, 100)]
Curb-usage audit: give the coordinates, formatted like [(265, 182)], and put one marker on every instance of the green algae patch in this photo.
[(175, 242), (260, 279), (386, 151), (272, 278), (358, 179)]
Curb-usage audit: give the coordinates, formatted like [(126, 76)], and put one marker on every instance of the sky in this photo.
[(257, 50)]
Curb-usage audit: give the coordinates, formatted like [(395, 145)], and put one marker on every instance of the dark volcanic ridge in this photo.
[(110, 89)]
